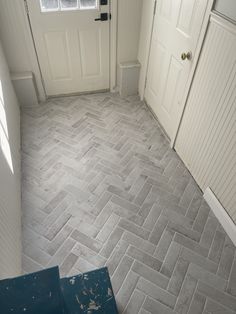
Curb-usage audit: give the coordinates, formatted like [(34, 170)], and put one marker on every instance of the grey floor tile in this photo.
[(215, 307), (226, 260), (156, 293), (121, 272), (178, 276), (133, 228), (126, 291), (87, 241), (101, 186), (111, 242), (171, 259), (135, 302), (199, 260), (226, 300), (217, 247), (232, 280), (150, 275), (198, 304), (155, 307), (186, 294), (144, 258)]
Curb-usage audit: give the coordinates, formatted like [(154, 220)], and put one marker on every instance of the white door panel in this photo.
[(73, 48), (90, 41), (56, 44), (177, 26)]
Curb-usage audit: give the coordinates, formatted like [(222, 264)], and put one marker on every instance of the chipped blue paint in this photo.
[(44, 293), (89, 293), (37, 293)]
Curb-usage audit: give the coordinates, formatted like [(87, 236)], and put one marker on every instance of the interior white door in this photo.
[(72, 48), (177, 26)]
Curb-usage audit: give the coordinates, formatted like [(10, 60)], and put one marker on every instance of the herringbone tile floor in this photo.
[(102, 187)]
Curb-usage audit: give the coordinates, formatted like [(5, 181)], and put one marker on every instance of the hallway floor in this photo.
[(102, 187)]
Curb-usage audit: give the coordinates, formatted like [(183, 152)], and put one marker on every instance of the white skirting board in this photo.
[(221, 214)]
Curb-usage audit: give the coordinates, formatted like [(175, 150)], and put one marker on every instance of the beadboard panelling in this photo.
[(207, 137), (10, 194)]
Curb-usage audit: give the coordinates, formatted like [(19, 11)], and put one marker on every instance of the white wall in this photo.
[(17, 41), (129, 23), (15, 36), (207, 137), (10, 195), (144, 42)]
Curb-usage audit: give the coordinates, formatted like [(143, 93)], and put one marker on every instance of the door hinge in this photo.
[(26, 7), (155, 8)]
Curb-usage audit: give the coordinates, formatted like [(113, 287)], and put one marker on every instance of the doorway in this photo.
[(72, 41), (176, 31)]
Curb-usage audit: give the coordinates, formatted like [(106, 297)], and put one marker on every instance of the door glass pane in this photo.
[(88, 4), (69, 4), (57, 5), (227, 8), (49, 5)]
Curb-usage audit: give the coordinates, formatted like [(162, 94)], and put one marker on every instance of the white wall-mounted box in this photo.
[(129, 78), (25, 88)]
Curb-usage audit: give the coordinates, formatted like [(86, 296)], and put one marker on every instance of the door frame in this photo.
[(113, 27), (113, 44), (145, 63), (200, 42)]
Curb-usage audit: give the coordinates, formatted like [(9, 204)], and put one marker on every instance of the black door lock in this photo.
[(103, 2), (103, 17)]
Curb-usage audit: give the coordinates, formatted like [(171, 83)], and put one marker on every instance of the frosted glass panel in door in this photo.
[(88, 4), (69, 4), (49, 5)]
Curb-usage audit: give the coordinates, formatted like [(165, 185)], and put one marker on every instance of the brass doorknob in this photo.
[(187, 55)]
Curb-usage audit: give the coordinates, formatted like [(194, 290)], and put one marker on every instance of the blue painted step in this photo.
[(89, 293), (45, 293), (37, 293)]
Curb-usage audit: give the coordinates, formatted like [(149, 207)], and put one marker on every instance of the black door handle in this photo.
[(103, 17)]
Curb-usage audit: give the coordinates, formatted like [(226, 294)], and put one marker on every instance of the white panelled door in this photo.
[(177, 25), (72, 48)]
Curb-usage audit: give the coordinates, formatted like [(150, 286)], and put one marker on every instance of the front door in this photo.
[(177, 26), (72, 46)]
